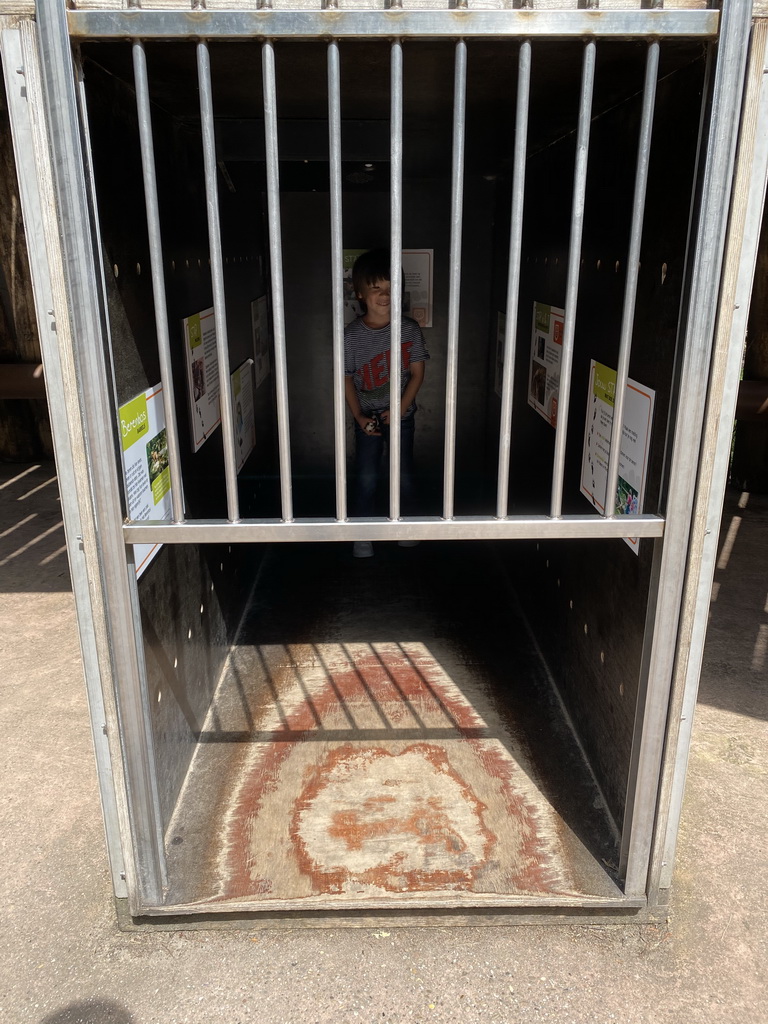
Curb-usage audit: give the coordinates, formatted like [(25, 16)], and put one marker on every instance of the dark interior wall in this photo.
[(191, 598), (587, 600), (587, 606), (309, 340)]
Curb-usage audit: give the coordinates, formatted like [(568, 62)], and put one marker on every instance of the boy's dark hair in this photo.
[(369, 268)]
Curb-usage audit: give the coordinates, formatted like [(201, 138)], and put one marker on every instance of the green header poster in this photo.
[(202, 375), (242, 412), (146, 471), (635, 444)]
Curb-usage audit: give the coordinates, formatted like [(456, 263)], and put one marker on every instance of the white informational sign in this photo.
[(202, 375), (635, 443), (417, 295), (145, 464), (261, 339), (501, 328), (546, 356), (242, 412)]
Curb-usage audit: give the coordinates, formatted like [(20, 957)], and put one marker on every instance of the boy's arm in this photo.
[(354, 404), (412, 387)]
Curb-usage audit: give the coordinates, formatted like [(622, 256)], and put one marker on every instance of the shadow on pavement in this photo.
[(92, 1011), (735, 672)]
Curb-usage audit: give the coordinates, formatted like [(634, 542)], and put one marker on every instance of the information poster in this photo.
[(635, 443), (145, 464), (242, 412), (417, 297), (418, 291), (501, 329), (546, 357), (261, 340), (202, 375)]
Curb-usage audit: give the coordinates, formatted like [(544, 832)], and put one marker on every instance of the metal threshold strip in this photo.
[(455, 901), (271, 24), (250, 531)]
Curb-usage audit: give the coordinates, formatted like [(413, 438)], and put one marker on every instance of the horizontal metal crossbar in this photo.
[(254, 531), (453, 24)]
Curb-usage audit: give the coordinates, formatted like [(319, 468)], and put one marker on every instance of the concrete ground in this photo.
[(64, 961)]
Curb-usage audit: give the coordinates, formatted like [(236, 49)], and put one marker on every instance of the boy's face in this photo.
[(376, 296)]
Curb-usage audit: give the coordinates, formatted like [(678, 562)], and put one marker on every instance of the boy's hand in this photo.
[(368, 426)]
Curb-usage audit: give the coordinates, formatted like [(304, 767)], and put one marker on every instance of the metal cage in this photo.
[(54, 147)]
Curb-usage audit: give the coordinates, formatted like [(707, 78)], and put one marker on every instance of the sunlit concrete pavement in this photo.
[(64, 961)]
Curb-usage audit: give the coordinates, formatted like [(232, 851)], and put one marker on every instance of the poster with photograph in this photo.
[(635, 443), (417, 293), (261, 340), (145, 465), (501, 330), (242, 412), (202, 375), (546, 357)]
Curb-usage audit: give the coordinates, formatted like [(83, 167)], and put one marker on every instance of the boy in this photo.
[(367, 347)]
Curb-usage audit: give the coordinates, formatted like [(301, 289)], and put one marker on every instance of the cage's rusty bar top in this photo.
[(252, 531), (330, 23)]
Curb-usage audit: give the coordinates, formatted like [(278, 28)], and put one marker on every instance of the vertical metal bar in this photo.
[(85, 312), (697, 328), (513, 277), (395, 273), (633, 268), (337, 276), (457, 205), (276, 270), (574, 266), (217, 277), (158, 277)]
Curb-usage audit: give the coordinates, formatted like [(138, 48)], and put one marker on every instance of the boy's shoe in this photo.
[(408, 543), (362, 549)]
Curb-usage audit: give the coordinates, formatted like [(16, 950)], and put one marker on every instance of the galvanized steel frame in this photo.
[(88, 320), (86, 315), (396, 23), (20, 66), (720, 127), (750, 187)]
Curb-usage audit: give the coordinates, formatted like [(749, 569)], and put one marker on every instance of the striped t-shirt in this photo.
[(367, 357)]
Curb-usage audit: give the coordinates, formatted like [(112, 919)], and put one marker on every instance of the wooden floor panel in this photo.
[(384, 761)]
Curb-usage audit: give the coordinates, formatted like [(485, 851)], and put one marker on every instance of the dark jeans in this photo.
[(368, 458)]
